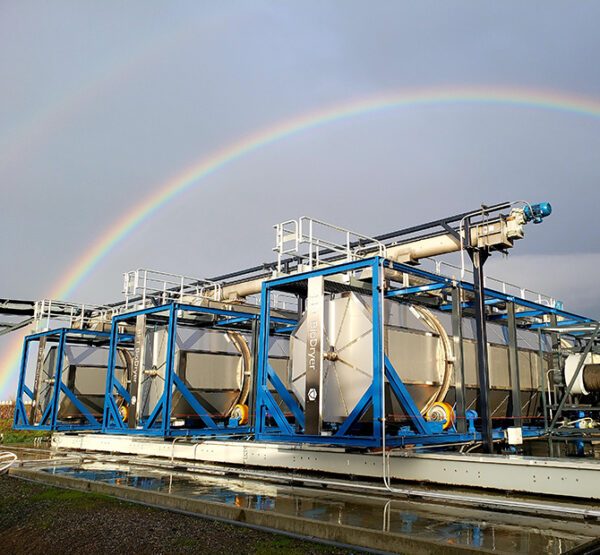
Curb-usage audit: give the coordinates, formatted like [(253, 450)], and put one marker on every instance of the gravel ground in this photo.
[(35, 518)]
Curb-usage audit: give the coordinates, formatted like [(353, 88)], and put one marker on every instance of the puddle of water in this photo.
[(395, 516)]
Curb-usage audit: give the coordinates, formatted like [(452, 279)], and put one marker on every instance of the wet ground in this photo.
[(477, 528), (40, 519)]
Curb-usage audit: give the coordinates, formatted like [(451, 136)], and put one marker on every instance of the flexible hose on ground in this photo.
[(7, 459)]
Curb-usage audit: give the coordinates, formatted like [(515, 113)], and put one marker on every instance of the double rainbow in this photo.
[(521, 98)]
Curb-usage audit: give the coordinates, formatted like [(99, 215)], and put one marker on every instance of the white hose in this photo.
[(435, 325), (244, 368), (7, 459), (446, 362)]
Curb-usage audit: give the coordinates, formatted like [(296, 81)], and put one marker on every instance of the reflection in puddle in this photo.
[(396, 516)]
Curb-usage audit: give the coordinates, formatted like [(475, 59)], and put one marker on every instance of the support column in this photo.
[(313, 401), (459, 366), (556, 363), (38, 376), (542, 377), (479, 256), (255, 364), (138, 367), (513, 363)]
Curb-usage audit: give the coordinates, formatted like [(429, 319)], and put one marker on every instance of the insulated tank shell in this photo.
[(417, 354)]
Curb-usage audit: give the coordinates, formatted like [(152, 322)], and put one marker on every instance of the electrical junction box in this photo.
[(514, 435)]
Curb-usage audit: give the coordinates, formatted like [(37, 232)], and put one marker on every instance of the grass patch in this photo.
[(185, 542), (18, 436), (75, 498), (284, 544)]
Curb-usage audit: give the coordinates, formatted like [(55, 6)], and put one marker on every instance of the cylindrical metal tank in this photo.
[(84, 369), (216, 366), (419, 347)]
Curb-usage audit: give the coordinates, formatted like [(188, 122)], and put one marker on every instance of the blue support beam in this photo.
[(378, 347), (285, 395), (558, 324), (489, 293), (522, 314), (57, 378), (234, 321), (159, 420), (357, 412), (80, 406), (409, 406), (198, 408), (417, 289), (488, 302)]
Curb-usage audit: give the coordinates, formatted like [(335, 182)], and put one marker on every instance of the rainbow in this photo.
[(517, 97)]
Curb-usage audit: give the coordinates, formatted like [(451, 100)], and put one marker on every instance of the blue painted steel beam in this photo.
[(151, 310), (522, 314), (490, 293), (263, 353), (20, 416), (47, 413), (234, 321), (122, 391), (58, 378), (112, 417), (148, 424), (472, 305), (215, 311), (198, 408), (283, 320), (82, 409), (558, 324), (377, 309), (58, 331), (417, 289), (170, 372), (73, 331), (285, 395), (357, 412), (409, 406), (55, 331), (330, 270), (276, 413)]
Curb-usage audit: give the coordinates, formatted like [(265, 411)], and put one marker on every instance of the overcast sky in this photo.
[(103, 102)]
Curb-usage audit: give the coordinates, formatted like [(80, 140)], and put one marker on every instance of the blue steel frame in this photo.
[(159, 422), (422, 433), (49, 420), (438, 282)]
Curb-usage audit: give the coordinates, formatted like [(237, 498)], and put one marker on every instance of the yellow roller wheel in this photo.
[(241, 412), (124, 412), (441, 412)]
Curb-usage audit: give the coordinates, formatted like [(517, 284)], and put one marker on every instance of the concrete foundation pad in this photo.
[(545, 476), (274, 522)]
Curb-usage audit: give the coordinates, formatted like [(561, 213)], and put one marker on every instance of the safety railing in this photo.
[(453, 271), (306, 238), (143, 286), (48, 313)]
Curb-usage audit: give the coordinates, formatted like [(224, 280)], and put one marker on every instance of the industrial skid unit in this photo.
[(345, 340)]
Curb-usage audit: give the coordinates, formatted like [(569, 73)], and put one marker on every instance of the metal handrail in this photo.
[(143, 285), (304, 238), (503, 286), (75, 314)]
